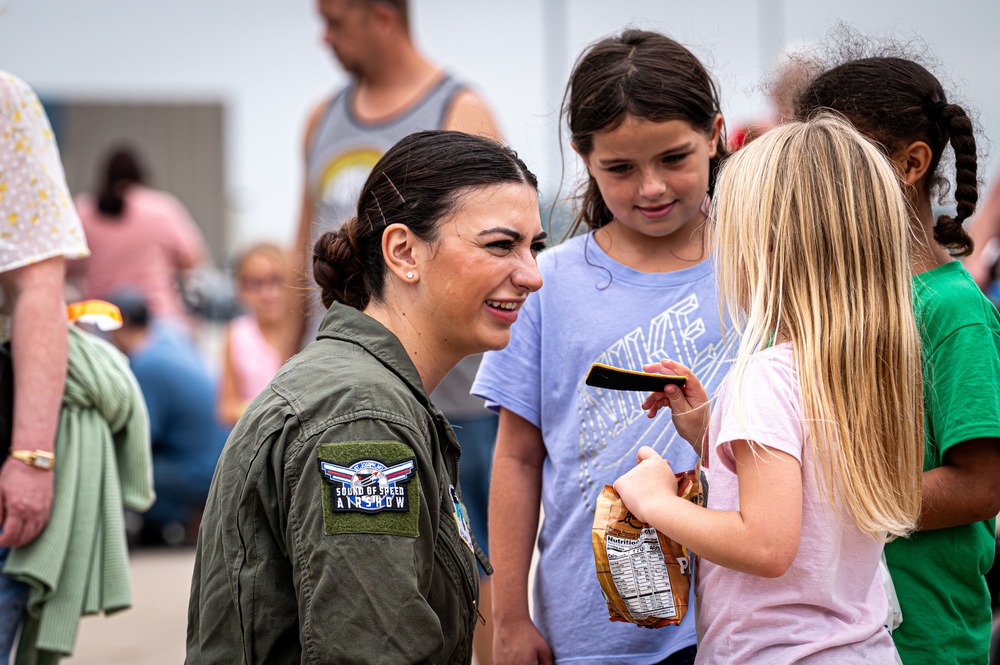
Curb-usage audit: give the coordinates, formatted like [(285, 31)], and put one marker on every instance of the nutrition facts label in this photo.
[(640, 575)]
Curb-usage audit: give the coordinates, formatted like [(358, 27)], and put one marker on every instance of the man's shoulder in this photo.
[(468, 112), (322, 105), (318, 111)]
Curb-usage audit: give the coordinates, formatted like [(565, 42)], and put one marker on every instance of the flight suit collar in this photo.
[(347, 323)]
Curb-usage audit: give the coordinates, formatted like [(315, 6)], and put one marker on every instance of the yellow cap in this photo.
[(102, 314)]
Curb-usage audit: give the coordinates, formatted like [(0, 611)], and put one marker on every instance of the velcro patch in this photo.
[(369, 487)]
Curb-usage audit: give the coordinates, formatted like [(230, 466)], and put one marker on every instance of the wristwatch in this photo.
[(40, 459)]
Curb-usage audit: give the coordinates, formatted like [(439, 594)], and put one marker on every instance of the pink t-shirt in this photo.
[(144, 249), (254, 360), (830, 606)]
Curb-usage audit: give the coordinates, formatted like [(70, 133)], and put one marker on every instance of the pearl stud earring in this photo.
[(409, 275)]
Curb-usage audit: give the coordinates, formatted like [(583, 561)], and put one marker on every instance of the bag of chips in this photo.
[(645, 576)]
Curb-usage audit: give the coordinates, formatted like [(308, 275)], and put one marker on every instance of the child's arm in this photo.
[(762, 538), (966, 489), (964, 416), (231, 405), (688, 404), (515, 496)]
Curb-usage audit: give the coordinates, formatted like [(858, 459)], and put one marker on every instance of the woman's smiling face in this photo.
[(474, 278)]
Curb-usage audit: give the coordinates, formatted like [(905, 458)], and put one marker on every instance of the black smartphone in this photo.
[(615, 378)]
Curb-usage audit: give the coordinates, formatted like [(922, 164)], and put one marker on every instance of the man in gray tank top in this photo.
[(394, 92)]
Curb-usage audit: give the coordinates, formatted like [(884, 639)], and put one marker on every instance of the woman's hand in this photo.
[(649, 482), (688, 404)]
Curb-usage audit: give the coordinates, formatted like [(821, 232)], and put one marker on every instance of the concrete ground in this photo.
[(153, 631)]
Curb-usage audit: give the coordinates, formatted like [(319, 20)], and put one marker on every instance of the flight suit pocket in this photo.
[(458, 586)]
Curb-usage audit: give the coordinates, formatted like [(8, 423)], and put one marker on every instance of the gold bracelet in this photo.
[(40, 459)]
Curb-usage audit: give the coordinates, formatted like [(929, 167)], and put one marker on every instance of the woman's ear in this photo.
[(913, 161), (397, 250)]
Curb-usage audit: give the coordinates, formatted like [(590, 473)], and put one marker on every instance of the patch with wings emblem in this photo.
[(368, 485)]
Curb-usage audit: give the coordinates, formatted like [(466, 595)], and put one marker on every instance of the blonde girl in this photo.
[(809, 453), (939, 572), (259, 342)]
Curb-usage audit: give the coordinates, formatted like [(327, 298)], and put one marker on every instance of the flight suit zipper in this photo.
[(476, 550), (468, 586), (461, 562)]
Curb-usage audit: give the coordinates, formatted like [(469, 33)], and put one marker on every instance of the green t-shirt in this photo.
[(939, 574)]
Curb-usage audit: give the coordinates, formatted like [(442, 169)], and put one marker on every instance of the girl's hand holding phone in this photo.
[(688, 404), (649, 481)]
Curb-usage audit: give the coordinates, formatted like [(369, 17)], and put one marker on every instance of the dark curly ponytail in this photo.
[(895, 102), (416, 183)]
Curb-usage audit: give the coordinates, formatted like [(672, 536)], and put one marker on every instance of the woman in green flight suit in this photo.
[(334, 531)]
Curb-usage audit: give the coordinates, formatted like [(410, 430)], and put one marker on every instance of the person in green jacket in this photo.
[(334, 530)]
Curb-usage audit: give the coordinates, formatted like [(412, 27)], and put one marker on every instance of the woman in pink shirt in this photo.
[(811, 453), (140, 239), (259, 342)]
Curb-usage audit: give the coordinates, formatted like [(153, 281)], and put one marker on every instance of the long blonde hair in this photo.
[(813, 248)]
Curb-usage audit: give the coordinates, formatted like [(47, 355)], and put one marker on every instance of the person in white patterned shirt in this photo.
[(39, 229)]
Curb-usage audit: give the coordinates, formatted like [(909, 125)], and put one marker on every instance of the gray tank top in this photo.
[(341, 156), (345, 149)]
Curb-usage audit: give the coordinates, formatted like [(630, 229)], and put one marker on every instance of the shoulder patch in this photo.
[(369, 487)]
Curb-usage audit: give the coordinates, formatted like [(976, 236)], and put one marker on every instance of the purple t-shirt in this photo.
[(830, 606), (594, 309)]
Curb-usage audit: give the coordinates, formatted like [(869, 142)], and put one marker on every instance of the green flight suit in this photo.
[(308, 552)]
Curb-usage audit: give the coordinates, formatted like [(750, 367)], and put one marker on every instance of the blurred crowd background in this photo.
[(215, 92), (209, 100), (202, 104)]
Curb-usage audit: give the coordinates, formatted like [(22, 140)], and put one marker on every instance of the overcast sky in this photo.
[(265, 61)]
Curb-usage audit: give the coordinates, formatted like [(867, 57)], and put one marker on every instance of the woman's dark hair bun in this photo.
[(338, 268)]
